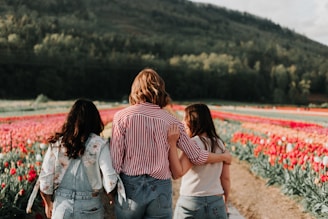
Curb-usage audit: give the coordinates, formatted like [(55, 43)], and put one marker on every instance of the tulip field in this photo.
[(292, 154), (286, 149)]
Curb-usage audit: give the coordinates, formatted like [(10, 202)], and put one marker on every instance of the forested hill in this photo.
[(94, 48)]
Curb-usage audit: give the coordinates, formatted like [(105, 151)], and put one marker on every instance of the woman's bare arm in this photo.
[(225, 181), (47, 199), (215, 158)]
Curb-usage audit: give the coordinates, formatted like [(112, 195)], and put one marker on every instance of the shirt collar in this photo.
[(149, 105)]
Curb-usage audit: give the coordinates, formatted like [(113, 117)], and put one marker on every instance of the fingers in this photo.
[(49, 214), (174, 128), (49, 211), (173, 134)]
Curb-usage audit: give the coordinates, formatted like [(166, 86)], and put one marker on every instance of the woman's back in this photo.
[(203, 180)]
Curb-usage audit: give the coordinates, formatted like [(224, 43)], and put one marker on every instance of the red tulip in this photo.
[(12, 171), (20, 178), (31, 175), (21, 192)]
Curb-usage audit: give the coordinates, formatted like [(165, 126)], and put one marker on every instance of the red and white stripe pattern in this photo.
[(139, 141)]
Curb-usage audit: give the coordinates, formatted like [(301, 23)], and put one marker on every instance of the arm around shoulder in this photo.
[(216, 158), (179, 164)]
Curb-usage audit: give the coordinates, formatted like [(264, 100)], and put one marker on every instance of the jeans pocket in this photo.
[(188, 207), (164, 200), (217, 208), (124, 204), (183, 211), (130, 190), (93, 211)]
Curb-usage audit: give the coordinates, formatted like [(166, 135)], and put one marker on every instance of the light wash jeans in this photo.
[(203, 207), (74, 199), (147, 198)]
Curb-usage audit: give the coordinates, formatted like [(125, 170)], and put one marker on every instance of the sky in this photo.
[(306, 17)]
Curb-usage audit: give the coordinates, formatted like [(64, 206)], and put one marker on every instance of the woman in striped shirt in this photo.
[(140, 150)]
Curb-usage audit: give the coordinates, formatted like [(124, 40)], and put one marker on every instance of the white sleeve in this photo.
[(47, 173), (109, 175)]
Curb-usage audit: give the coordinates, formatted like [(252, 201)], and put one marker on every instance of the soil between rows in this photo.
[(255, 200)]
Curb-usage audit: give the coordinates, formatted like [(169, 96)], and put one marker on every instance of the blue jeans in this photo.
[(147, 198), (202, 207)]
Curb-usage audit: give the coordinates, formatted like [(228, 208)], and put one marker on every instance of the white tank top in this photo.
[(203, 180)]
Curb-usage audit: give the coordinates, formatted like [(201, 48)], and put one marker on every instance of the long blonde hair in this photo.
[(149, 87)]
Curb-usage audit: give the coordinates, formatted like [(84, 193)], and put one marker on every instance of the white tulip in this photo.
[(38, 157), (262, 141), (289, 147), (305, 158), (1, 156), (310, 141), (43, 146), (325, 161), (317, 159)]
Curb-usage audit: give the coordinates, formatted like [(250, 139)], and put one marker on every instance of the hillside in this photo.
[(202, 51)]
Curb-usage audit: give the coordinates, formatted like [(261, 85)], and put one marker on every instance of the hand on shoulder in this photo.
[(173, 134)]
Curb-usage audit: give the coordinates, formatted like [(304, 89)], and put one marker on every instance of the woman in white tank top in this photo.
[(204, 189)]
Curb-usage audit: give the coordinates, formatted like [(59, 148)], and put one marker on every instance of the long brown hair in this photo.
[(82, 120), (149, 87), (199, 120)]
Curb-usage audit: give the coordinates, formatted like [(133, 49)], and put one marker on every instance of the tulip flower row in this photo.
[(288, 155), (27, 130)]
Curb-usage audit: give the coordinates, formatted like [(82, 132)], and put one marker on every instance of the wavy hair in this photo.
[(82, 120), (199, 120), (149, 87)]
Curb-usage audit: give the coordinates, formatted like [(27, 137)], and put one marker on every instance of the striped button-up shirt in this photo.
[(139, 142)]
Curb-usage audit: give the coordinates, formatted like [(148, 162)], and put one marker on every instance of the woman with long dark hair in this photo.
[(77, 166), (204, 189)]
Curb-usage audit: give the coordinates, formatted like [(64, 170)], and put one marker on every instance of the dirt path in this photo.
[(255, 200)]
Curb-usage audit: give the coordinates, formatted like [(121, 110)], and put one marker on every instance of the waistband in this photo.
[(140, 179), (76, 195)]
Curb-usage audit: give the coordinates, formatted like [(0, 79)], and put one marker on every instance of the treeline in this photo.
[(66, 49)]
